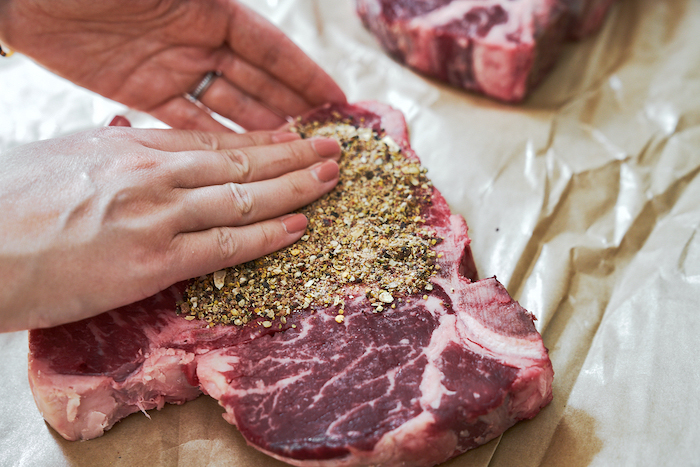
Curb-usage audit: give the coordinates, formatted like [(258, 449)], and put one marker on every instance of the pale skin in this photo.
[(107, 217)]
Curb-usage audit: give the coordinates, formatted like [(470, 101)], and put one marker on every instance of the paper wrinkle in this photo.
[(689, 259), (583, 201)]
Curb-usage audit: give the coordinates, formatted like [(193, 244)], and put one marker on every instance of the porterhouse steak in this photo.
[(501, 48), (436, 373)]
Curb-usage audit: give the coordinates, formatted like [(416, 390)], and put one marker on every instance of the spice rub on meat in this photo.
[(368, 236), (449, 362)]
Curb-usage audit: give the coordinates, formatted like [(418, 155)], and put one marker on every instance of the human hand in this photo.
[(104, 218), (147, 54)]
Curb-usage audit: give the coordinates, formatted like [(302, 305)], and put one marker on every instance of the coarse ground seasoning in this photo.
[(367, 235)]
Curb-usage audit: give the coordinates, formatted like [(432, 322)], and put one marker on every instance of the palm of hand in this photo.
[(147, 54)]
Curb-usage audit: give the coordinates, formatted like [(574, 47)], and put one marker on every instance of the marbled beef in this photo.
[(416, 385), (501, 48)]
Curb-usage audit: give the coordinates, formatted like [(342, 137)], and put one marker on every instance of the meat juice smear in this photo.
[(367, 237)]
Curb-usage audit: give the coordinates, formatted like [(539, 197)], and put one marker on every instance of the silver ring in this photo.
[(203, 85)]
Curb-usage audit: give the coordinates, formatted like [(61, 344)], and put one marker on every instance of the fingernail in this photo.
[(326, 171), (120, 120), (326, 147), (285, 137), (295, 223)]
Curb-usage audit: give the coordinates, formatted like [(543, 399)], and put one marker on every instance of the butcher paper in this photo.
[(584, 201)]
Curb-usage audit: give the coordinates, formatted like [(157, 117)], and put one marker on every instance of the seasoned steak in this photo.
[(371, 366)]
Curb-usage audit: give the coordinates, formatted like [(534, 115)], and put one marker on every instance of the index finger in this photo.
[(262, 44), (193, 169), (171, 140)]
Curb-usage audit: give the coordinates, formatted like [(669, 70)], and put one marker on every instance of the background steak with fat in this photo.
[(501, 48)]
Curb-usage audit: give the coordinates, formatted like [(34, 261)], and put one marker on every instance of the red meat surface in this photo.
[(414, 385)]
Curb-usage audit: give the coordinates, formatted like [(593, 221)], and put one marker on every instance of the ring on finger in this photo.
[(203, 85)]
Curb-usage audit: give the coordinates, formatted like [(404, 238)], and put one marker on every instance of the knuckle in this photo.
[(226, 244), (272, 55), (135, 159), (267, 235), (240, 199), (241, 164), (298, 188), (256, 138), (206, 140), (297, 152), (310, 78)]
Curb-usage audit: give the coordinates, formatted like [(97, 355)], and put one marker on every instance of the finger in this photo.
[(254, 82), (237, 204), (225, 99), (195, 140), (249, 164), (120, 120), (198, 253), (264, 46), (179, 112)]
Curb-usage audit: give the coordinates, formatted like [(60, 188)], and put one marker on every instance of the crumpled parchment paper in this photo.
[(584, 202)]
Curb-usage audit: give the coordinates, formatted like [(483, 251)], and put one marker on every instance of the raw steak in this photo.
[(501, 48), (441, 373)]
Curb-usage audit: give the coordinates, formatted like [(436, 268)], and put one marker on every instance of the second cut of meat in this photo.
[(501, 48), (399, 357)]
